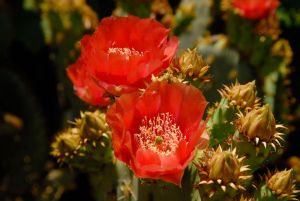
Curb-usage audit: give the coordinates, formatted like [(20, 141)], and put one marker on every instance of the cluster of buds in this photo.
[(241, 96), (282, 184), (66, 144), (189, 65), (92, 126), (294, 162), (90, 136), (184, 15), (247, 126), (282, 48), (64, 9), (247, 199), (269, 26), (222, 171), (162, 11), (225, 5), (259, 126)]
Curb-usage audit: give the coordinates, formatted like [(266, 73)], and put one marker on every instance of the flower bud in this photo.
[(225, 5), (191, 64), (247, 199), (242, 96), (225, 166), (282, 48), (269, 26), (258, 123), (222, 171), (92, 125), (282, 182), (294, 162), (160, 8), (65, 143)]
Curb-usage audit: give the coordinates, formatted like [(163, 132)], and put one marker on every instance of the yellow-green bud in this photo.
[(225, 166), (65, 143), (225, 5), (282, 182), (242, 96), (294, 162), (92, 125), (282, 48), (191, 64), (258, 123), (247, 199)]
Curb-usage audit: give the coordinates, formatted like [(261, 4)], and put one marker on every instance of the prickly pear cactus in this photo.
[(278, 186), (87, 145), (239, 68), (222, 174)]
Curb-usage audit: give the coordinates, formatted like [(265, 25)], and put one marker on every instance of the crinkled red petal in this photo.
[(185, 103)]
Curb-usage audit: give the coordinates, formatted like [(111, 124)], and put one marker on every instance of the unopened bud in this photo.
[(258, 123), (92, 125), (242, 96), (225, 166), (223, 169), (191, 64), (268, 27), (282, 48), (294, 162), (65, 143), (247, 199), (225, 5), (282, 182)]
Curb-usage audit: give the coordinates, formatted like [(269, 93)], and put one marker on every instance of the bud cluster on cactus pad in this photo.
[(280, 185), (244, 121), (65, 144), (153, 121), (92, 125), (222, 171), (239, 122), (247, 199), (90, 137), (259, 125), (189, 66), (241, 96)]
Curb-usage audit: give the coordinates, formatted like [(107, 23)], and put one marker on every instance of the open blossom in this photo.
[(157, 133), (255, 9), (120, 57)]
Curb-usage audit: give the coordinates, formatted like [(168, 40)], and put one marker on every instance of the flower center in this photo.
[(159, 134), (126, 52)]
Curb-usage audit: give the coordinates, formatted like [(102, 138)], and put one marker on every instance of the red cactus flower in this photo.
[(120, 57), (255, 9), (157, 133), (84, 85)]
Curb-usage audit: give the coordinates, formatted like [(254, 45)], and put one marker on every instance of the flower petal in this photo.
[(142, 105), (121, 56), (192, 109), (255, 9), (198, 137), (174, 177), (127, 114)]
